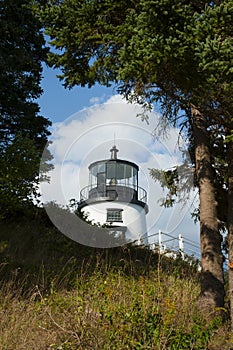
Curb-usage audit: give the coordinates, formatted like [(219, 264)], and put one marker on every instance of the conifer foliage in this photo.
[(23, 132)]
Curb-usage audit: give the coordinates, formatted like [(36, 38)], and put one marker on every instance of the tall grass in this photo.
[(74, 297)]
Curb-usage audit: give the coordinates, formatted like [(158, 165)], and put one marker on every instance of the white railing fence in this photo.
[(179, 246), (166, 243)]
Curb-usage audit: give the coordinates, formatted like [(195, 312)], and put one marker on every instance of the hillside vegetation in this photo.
[(58, 295)]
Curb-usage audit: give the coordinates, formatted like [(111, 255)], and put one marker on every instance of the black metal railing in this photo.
[(114, 192)]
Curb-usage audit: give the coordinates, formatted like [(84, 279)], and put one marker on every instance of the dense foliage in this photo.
[(23, 132)]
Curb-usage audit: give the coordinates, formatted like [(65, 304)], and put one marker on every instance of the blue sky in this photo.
[(84, 124), (58, 103)]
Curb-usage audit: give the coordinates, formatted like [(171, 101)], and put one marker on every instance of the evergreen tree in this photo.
[(23, 132)]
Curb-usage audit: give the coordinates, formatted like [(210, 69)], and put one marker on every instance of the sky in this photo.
[(85, 125)]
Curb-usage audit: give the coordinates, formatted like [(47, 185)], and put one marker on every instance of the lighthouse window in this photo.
[(111, 170), (114, 215)]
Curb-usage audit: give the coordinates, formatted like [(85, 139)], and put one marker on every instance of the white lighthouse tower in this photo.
[(113, 198)]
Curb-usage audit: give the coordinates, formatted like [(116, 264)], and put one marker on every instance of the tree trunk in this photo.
[(212, 280), (230, 226)]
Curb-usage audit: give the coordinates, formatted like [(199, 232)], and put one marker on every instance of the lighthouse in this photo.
[(114, 199)]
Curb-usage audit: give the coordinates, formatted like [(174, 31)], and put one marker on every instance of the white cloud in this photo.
[(97, 100), (89, 134)]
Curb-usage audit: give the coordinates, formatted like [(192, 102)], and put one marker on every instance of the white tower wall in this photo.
[(133, 217)]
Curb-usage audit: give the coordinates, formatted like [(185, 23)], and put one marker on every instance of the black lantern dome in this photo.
[(113, 180)]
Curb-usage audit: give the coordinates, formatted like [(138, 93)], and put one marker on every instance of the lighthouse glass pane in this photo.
[(120, 171), (128, 171), (111, 170), (93, 178), (101, 179), (101, 168), (135, 176), (95, 170)]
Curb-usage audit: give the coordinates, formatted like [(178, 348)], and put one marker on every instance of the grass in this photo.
[(58, 295)]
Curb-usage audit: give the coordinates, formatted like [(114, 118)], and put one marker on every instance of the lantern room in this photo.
[(113, 179)]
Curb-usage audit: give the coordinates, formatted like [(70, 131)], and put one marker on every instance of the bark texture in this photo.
[(212, 281), (230, 226)]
